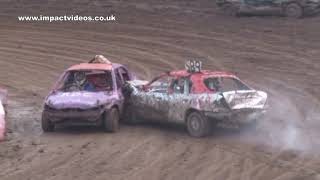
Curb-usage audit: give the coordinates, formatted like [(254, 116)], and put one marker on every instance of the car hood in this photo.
[(79, 100), (137, 83), (245, 99)]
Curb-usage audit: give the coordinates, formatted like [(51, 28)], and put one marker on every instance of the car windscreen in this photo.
[(87, 80), (224, 84)]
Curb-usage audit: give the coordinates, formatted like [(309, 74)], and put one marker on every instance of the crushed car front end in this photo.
[(74, 115), (77, 107)]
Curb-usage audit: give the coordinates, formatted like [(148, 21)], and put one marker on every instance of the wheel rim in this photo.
[(195, 124)]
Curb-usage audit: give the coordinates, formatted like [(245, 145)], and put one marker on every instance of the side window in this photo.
[(161, 85), (228, 84), (67, 78), (225, 84), (181, 86), (124, 73), (214, 84), (118, 79), (231, 84)]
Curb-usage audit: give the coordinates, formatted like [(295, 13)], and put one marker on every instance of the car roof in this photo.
[(94, 66), (202, 74)]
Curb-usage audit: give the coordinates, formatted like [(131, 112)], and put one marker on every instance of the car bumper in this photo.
[(75, 116), (237, 117)]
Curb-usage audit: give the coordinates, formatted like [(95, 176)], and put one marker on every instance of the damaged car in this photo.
[(87, 94), (3, 105), (196, 98), (288, 8)]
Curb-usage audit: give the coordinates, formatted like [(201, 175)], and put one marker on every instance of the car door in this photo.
[(156, 96), (179, 99), (119, 82), (125, 75)]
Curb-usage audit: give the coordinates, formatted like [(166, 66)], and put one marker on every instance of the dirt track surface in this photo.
[(273, 54)]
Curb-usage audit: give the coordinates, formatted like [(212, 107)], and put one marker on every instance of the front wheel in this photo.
[(198, 125), (293, 10), (111, 120), (46, 124)]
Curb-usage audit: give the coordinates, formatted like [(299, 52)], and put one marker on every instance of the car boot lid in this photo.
[(245, 99)]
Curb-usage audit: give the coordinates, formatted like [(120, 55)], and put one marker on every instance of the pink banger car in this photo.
[(87, 94)]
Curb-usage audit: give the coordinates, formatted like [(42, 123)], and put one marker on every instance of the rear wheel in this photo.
[(111, 120), (293, 10), (198, 125), (46, 124)]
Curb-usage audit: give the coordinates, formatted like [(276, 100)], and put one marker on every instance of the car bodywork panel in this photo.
[(174, 107), (80, 100), (86, 106)]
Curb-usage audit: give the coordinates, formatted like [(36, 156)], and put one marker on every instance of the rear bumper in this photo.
[(75, 116), (238, 117)]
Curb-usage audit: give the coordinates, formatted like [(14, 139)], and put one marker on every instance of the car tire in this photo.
[(293, 10), (111, 120), (198, 125), (46, 124), (230, 9)]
